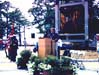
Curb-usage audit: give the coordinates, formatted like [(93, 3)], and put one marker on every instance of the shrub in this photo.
[(23, 59), (53, 61), (25, 53), (51, 64), (65, 61), (33, 58)]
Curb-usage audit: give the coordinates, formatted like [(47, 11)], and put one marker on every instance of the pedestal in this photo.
[(46, 47)]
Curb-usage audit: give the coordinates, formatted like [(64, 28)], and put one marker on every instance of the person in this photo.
[(46, 34), (1, 44), (13, 48), (35, 49), (52, 34), (49, 34), (54, 37)]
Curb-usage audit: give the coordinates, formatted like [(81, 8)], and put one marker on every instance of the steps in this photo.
[(91, 55), (85, 55), (82, 54)]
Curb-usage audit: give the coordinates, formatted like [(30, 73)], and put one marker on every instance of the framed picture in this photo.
[(72, 19)]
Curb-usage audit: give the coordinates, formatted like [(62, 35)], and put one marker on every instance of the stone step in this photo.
[(82, 54)]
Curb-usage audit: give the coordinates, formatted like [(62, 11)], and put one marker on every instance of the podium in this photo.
[(46, 47)]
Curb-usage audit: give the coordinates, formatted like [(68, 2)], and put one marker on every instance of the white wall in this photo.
[(28, 31)]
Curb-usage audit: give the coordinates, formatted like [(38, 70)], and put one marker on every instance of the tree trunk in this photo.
[(20, 43)]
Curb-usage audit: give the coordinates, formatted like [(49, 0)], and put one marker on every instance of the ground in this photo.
[(8, 67)]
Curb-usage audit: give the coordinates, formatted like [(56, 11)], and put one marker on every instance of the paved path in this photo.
[(87, 72), (91, 68), (9, 68)]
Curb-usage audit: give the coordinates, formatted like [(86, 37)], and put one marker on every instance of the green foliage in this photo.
[(10, 17), (43, 13), (32, 58), (4, 6), (18, 19), (23, 59), (25, 54), (52, 64), (21, 63), (65, 61), (53, 61)]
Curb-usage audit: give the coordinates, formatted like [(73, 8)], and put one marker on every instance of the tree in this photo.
[(43, 13), (11, 17), (19, 20), (2, 16), (93, 18)]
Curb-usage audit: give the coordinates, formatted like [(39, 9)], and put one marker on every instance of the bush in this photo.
[(25, 53), (23, 59), (65, 61), (51, 64), (33, 58), (53, 61)]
